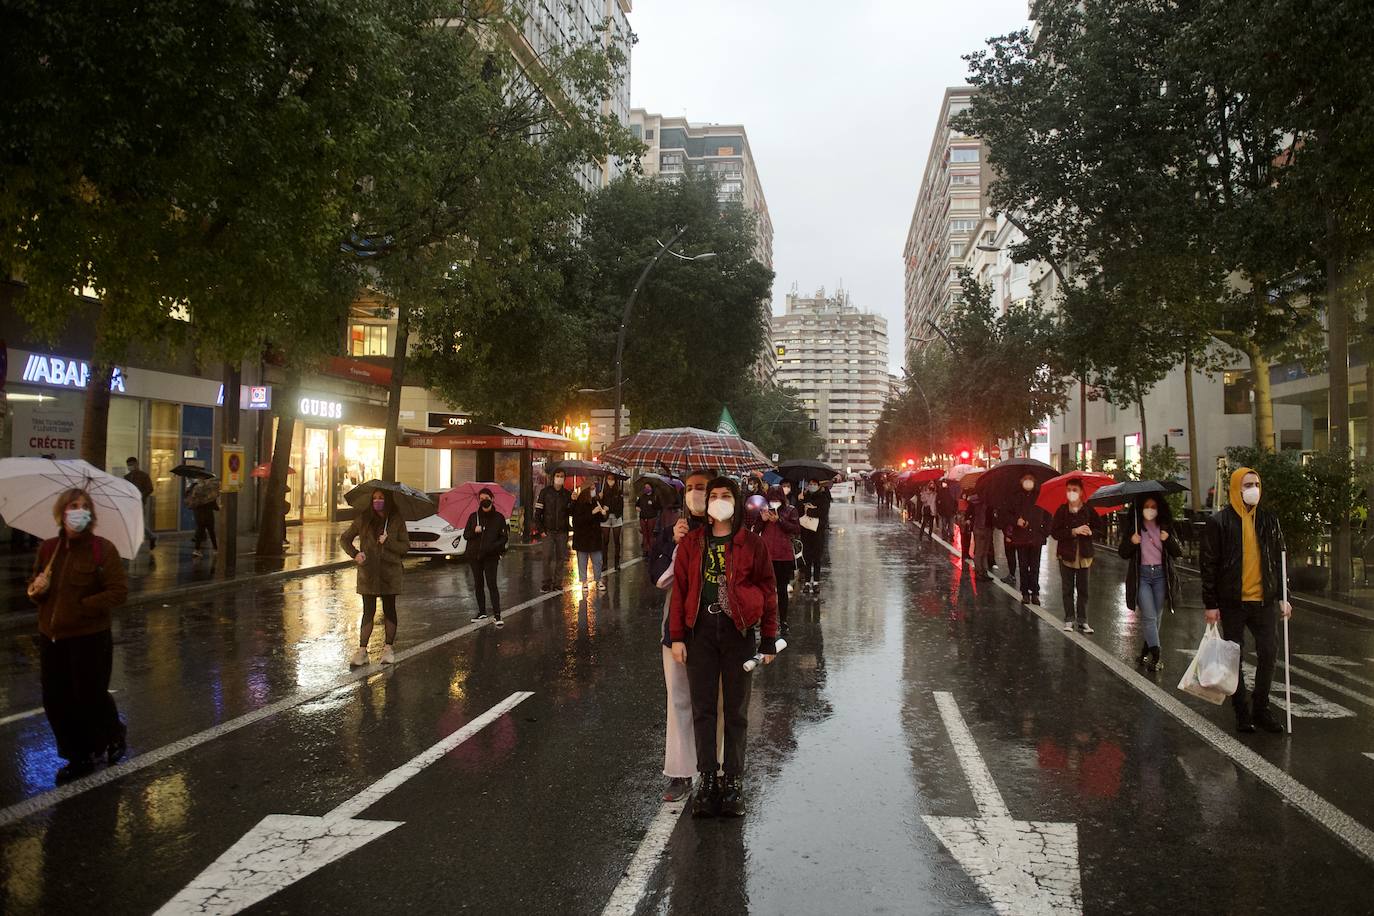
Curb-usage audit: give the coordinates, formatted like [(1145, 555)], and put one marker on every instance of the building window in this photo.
[(1236, 392), (648, 135), (964, 154), (368, 340)]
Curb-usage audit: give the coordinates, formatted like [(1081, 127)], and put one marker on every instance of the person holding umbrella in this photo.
[(203, 501), (486, 535), (1150, 547), (815, 524), (1240, 560), (646, 505), (1027, 529), (1073, 528), (587, 514), (78, 579), (139, 478), (776, 522), (613, 498), (380, 532)]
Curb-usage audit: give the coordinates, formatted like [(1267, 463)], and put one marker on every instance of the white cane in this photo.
[(1287, 671)]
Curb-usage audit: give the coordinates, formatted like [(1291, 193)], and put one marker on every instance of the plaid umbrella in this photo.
[(686, 448)]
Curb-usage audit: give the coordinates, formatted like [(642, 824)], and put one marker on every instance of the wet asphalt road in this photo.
[(542, 810)]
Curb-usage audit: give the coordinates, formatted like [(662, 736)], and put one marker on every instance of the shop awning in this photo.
[(482, 436)]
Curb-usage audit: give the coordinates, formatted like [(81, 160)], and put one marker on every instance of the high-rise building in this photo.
[(834, 356), (949, 206)]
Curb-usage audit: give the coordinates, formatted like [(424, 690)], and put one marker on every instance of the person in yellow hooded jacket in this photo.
[(1241, 551)]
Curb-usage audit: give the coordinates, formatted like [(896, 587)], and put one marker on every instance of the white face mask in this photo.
[(1251, 496), (1028, 485), (696, 502), (1149, 514), (1073, 497), (722, 510), (775, 506)]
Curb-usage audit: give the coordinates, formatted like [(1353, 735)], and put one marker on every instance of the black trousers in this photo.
[(783, 571), (205, 524), (1028, 567), (813, 544), (484, 572), (1074, 587), (965, 539), (716, 653), (927, 524), (75, 675), (1262, 620), (1009, 552)]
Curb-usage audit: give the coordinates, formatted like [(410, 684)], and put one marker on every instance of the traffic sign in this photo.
[(995, 452), (234, 467)]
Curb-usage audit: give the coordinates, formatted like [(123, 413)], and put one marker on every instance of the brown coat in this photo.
[(381, 574), (80, 593)]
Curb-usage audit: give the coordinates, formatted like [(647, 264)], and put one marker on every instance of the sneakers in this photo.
[(1009, 580), (732, 796), (678, 787), (1144, 658), (499, 622), (1068, 626), (706, 799), (388, 656), (359, 658), (479, 616), (1155, 663), (1086, 630), (195, 555)]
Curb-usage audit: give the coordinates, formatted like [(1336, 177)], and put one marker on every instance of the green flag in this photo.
[(727, 423)]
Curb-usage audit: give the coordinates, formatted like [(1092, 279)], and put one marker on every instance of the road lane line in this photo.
[(22, 809), (634, 884), (1350, 831), (985, 793), (30, 713)]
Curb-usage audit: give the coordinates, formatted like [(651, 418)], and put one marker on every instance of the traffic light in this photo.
[(965, 454), (911, 462)]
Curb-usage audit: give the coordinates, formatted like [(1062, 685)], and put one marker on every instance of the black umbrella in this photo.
[(1118, 493), (410, 502), (578, 468), (802, 469), (664, 491), (192, 471), (1001, 482)]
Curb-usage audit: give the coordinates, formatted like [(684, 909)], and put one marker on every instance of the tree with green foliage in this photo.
[(773, 418)]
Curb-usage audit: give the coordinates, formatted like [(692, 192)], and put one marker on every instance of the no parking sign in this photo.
[(231, 481)]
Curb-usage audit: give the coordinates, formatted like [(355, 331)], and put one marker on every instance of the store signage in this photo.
[(325, 410), (448, 420), (65, 373), (47, 429), (359, 370), (251, 397)]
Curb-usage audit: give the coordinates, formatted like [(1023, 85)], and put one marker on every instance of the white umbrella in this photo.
[(959, 470), (30, 486)]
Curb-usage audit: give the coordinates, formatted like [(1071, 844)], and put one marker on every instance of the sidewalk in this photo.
[(170, 570)]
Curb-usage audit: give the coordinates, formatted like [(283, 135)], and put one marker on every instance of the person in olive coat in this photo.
[(382, 544), (486, 536), (1150, 544)]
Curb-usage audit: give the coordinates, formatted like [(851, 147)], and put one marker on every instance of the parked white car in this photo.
[(844, 490), (432, 536)]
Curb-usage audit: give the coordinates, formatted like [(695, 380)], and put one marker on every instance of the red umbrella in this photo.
[(1052, 490), (686, 448), (925, 475), (457, 504), (264, 470)]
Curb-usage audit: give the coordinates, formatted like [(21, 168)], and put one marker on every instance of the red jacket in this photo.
[(749, 580), (777, 536)]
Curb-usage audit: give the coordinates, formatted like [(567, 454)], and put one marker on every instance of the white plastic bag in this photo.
[(809, 523), (1218, 662), (1189, 684)]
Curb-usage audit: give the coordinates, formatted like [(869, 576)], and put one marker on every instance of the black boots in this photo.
[(1265, 720), (118, 746), (1144, 658), (1244, 724), (1155, 663), (706, 799), (732, 796)]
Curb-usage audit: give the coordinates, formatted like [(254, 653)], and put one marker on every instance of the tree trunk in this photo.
[(1195, 496), (95, 424), (1083, 420), (1338, 410), (1144, 432), (1264, 397), (272, 521), (1368, 427), (393, 401), (229, 435)]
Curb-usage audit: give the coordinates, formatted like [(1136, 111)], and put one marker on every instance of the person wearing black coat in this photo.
[(552, 516), (946, 505), (814, 504), (1027, 527), (1149, 544), (486, 535), (1074, 527)]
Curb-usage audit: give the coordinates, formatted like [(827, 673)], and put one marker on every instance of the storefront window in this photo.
[(360, 458), (124, 436), (164, 453), (314, 474)]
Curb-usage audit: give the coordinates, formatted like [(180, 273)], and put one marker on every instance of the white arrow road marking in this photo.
[(284, 848), (1024, 867), (1338, 665)]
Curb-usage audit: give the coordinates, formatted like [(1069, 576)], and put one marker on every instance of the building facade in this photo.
[(949, 205), (835, 357)]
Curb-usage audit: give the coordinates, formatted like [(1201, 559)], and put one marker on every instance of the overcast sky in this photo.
[(840, 102)]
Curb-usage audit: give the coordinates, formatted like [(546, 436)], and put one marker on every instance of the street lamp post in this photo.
[(630, 304)]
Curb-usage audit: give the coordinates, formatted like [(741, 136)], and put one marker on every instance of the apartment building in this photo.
[(834, 356), (949, 205)]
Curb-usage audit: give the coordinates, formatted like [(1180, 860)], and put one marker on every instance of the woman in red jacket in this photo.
[(724, 588), (777, 524)]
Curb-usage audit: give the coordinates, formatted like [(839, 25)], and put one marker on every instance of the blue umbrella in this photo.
[(772, 478)]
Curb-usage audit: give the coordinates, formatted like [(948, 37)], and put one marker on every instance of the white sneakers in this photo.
[(1068, 626), (359, 658), (388, 657)]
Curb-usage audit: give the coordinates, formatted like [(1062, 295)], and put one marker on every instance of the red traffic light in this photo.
[(965, 454), (911, 462)]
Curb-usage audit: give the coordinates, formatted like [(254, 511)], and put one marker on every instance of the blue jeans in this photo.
[(589, 556), (1150, 601)]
